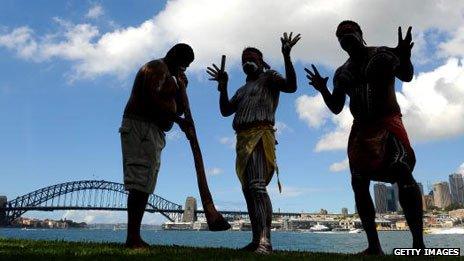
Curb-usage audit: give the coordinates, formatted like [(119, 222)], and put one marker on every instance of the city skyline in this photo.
[(443, 194)]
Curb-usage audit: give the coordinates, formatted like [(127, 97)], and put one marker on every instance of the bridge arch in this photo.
[(85, 195)]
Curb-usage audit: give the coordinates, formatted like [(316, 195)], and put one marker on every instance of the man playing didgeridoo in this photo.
[(378, 146), (155, 103), (254, 105)]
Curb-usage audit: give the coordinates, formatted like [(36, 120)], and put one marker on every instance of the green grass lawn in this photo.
[(14, 249)]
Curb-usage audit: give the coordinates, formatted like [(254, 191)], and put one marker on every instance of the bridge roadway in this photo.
[(55, 208)]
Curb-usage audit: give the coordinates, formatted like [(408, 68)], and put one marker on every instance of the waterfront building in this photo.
[(380, 195), (441, 195), (427, 202), (344, 211), (391, 201), (456, 188), (457, 214), (397, 197), (421, 188)]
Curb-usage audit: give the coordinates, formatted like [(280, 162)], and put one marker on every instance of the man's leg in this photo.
[(259, 202), (255, 240), (366, 212), (411, 201), (136, 203), (142, 144), (409, 194)]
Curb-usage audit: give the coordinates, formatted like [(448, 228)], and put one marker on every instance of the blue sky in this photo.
[(67, 69)]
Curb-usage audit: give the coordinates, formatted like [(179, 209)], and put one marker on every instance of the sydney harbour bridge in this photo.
[(92, 195)]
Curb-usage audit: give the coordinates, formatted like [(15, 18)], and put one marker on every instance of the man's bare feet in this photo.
[(250, 247), (264, 249)]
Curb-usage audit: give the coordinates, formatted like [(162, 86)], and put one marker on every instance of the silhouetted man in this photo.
[(378, 146), (254, 105), (156, 102)]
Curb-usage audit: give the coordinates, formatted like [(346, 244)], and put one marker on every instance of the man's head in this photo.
[(350, 36), (252, 61), (179, 57)]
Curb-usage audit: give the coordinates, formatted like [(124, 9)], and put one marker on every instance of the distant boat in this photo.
[(355, 231), (319, 228), (442, 231), (118, 227)]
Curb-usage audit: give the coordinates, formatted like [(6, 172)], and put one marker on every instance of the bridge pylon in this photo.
[(190, 210), (3, 219)]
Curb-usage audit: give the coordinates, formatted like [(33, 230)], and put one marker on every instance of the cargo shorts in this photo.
[(141, 143)]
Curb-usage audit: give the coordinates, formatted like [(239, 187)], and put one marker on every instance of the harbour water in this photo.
[(341, 242)]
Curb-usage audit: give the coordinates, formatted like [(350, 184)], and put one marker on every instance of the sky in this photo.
[(67, 68)]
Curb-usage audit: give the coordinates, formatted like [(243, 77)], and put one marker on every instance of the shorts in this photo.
[(141, 143)]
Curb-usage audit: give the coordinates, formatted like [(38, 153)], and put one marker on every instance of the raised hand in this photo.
[(288, 42), (315, 79), (405, 45), (218, 75)]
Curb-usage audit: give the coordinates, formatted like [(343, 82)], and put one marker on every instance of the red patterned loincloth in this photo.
[(374, 147)]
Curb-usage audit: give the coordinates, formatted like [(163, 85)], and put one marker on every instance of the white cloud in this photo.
[(229, 141), (339, 166), (312, 110), (95, 216), (214, 171), (216, 27), (21, 40), (109, 217), (95, 11), (461, 169), (433, 102), (337, 138)]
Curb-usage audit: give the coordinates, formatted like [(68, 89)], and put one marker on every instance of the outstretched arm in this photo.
[(405, 70), (335, 100), (226, 106), (289, 83)]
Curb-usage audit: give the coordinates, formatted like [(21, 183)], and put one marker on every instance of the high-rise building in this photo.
[(391, 203), (344, 211), (441, 195), (397, 197), (456, 188), (190, 209), (380, 194), (421, 188), (427, 202)]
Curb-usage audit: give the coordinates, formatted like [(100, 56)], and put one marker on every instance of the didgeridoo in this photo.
[(215, 220)]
